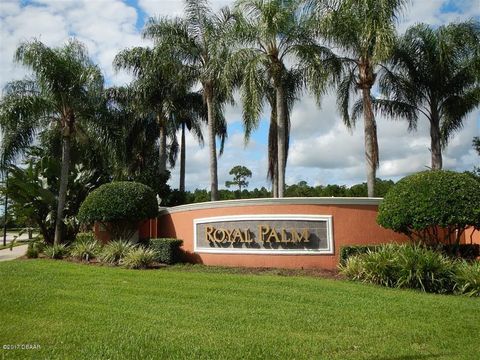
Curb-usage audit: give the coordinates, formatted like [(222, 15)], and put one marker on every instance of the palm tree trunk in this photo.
[(435, 142), (281, 161), (212, 144), (371, 143), (182, 160), (273, 152), (162, 152), (62, 192)]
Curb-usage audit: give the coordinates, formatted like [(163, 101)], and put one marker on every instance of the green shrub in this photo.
[(56, 251), (420, 204), (352, 250), (115, 251), (167, 250), (402, 266), (85, 250), (85, 237), (138, 258), (467, 278), (34, 249), (464, 251), (119, 206)]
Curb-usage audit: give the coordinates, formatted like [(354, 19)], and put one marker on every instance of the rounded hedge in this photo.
[(119, 201), (431, 199)]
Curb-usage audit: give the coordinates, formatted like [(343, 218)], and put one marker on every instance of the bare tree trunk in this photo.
[(62, 192), (162, 149), (212, 144), (281, 116), (435, 142), (182, 160), (371, 143)]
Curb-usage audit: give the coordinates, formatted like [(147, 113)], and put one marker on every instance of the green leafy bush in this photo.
[(56, 251), (464, 251), (119, 206), (115, 251), (85, 250), (467, 278), (138, 258), (34, 249), (420, 204), (352, 250), (167, 250), (403, 266)]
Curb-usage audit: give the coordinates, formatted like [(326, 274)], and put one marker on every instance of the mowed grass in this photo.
[(74, 311)]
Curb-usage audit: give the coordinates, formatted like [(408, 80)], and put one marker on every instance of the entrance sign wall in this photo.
[(264, 234)]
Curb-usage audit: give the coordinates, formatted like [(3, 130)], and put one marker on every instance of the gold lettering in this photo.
[(273, 235), (302, 236), (209, 233), (263, 230), (238, 236)]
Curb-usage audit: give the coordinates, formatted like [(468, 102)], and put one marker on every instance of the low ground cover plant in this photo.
[(413, 267), (85, 250), (56, 251)]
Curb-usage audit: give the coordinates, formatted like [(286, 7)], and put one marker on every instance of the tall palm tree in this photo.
[(271, 34), (434, 72), (188, 116), (198, 40), (364, 32), (158, 80), (65, 92)]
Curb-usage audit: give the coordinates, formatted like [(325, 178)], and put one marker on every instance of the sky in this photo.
[(322, 150)]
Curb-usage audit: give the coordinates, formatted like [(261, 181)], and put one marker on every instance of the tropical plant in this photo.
[(138, 258), (115, 251), (64, 94), (364, 33), (432, 206), (434, 72), (85, 250), (270, 34), (467, 278), (56, 251), (119, 206), (159, 81), (198, 41)]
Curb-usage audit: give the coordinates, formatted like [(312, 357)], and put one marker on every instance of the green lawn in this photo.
[(75, 311)]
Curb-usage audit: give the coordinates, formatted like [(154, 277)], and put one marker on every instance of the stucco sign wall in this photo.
[(264, 234)]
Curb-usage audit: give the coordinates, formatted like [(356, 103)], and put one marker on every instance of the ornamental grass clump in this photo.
[(115, 251), (85, 250), (139, 258), (403, 266), (467, 278), (56, 251)]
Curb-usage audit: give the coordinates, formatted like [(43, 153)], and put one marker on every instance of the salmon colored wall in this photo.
[(352, 225), (472, 236)]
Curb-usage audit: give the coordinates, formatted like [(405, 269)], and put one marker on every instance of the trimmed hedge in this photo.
[(117, 201), (167, 249), (419, 204)]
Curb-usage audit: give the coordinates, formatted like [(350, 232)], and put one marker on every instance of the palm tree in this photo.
[(188, 116), (198, 40), (158, 80), (434, 72), (364, 32), (64, 93), (270, 34)]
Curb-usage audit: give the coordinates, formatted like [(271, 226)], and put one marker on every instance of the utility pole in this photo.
[(5, 209)]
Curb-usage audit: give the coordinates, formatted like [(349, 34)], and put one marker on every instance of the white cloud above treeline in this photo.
[(322, 149)]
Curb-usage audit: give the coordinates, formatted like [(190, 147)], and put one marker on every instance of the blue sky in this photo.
[(322, 150)]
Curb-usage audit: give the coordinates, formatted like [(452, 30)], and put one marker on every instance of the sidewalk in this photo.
[(17, 252)]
